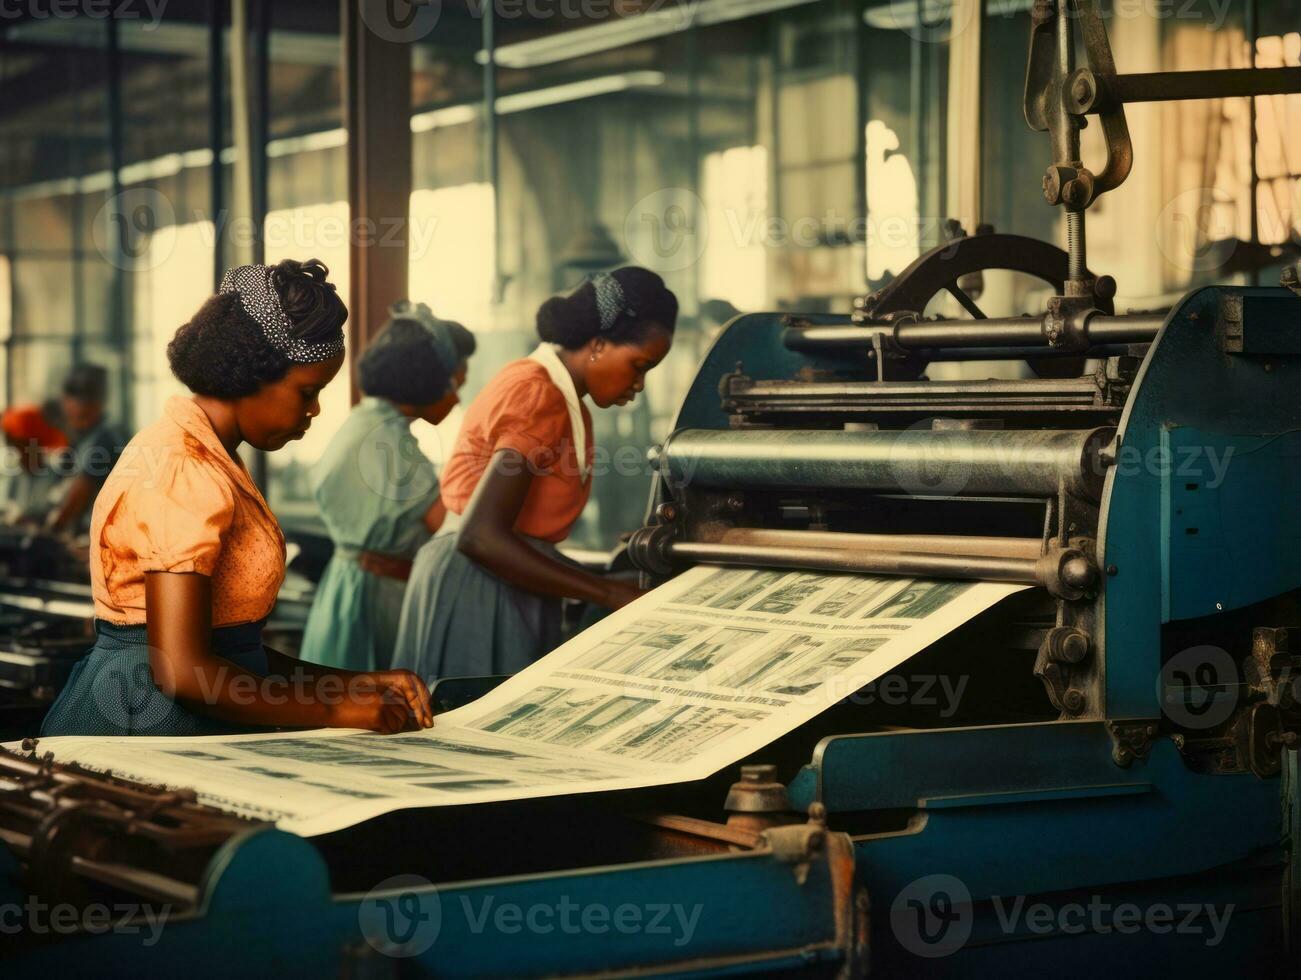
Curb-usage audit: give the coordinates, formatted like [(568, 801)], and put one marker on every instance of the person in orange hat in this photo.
[(28, 477)]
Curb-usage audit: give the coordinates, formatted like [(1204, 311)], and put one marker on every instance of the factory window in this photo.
[(317, 231), (172, 280), (894, 224), (734, 187), (6, 325), (451, 263), (1278, 147)]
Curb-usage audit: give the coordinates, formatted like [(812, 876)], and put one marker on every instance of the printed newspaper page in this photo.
[(684, 682)]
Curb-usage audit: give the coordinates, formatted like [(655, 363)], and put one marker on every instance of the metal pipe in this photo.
[(1020, 335), (1134, 328), (989, 568), (1011, 331), (920, 544), (1221, 83), (950, 462), (842, 339)]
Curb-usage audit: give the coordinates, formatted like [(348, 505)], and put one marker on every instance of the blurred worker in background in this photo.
[(378, 493), (30, 473), (95, 446)]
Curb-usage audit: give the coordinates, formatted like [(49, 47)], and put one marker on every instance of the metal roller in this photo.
[(1017, 336), (1066, 572), (919, 461)]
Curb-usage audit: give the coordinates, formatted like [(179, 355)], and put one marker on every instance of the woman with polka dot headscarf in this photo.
[(186, 558)]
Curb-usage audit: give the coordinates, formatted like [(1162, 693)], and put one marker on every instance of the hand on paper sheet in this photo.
[(388, 701)]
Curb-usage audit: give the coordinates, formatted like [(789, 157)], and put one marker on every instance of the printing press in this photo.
[(1128, 728)]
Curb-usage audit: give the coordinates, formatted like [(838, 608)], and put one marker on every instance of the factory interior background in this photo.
[(759, 154)]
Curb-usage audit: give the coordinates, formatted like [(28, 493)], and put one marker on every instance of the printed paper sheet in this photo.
[(698, 674)]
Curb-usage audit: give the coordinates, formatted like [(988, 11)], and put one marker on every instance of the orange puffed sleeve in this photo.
[(531, 419), (175, 520)]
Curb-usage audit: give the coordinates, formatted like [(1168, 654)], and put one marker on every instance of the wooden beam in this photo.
[(377, 115)]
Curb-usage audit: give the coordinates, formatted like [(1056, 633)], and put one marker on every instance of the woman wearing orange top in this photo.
[(186, 558), (30, 475), (486, 599)]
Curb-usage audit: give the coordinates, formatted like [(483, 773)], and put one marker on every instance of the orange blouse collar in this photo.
[(194, 420)]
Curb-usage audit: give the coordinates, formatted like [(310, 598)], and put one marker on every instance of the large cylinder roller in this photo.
[(944, 462)]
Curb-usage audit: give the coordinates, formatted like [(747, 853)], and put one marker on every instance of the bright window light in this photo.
[(734, 265)]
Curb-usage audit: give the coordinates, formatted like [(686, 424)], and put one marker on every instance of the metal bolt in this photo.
[(1075, 194), (1112, 570)]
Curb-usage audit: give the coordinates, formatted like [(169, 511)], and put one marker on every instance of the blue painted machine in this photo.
[(1114, 787)]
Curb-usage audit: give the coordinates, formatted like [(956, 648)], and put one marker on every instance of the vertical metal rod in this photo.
[(491, 155), (117, 304), (1069, 151), (216, 134), (774, 116), (76, 217), (1251, 29), (861, 92), (14, 301), (697, 219), (260, 103)]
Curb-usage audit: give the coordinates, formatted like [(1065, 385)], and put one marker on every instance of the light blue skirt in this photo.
[(460, 620), (111, 690)]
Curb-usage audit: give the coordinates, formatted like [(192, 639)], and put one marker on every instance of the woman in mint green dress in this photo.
[(377, 492)]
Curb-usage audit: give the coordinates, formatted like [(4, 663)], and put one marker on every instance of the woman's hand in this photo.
[(620, 593), (410, 688), (377, 709)]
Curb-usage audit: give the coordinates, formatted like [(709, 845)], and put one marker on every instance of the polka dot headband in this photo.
[(611, 303), (255, 287)]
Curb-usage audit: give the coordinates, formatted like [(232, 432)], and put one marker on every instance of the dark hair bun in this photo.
[(310, 300), (403, 364), (222, 352), (573, 320)]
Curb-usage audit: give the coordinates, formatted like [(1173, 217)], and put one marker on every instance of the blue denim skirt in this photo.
[(111, 690)]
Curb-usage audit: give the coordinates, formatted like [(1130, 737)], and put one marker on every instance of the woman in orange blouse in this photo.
[(486, 599), (186, 558)]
